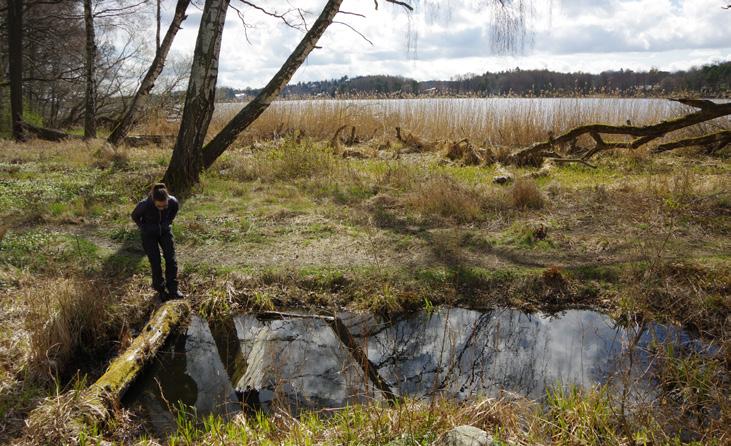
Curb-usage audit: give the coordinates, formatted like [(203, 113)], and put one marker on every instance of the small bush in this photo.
[(526, 195)]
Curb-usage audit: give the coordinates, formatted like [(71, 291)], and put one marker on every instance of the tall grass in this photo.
[(65, 315), (490, 122)]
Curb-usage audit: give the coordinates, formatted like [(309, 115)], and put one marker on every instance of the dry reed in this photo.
[(489, 122)]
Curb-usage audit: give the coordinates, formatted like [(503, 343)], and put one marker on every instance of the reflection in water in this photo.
[(464, 353), (189, 371), (301, 363)]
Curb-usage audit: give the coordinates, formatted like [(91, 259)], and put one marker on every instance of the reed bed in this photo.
[(490, 121)]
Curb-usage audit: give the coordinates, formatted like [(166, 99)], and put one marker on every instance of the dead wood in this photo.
[(353, 138), (45, 133), (713, 142), (62, 418), (467, 153), (535, 154), (147, 140), (413, 143), (335, 140)]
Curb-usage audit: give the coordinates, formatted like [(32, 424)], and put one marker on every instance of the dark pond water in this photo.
[(311, 363)]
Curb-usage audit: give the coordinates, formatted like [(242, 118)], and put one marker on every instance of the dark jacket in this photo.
[(152, 220)]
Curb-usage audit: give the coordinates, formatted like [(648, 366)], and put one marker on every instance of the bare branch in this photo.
[(397, 2), (355, 31), (275, 14)]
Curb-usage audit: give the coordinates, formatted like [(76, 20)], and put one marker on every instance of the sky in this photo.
[(447, 38)]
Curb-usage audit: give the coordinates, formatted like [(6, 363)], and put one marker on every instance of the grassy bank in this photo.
[(291, 224)]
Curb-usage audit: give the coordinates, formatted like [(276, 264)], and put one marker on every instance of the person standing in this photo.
[(154, 217)]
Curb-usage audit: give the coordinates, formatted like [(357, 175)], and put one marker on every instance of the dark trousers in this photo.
[(152, 244)]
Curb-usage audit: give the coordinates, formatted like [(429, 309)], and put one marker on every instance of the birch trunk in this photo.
[(148, 82), (261, 102), (186, 163)]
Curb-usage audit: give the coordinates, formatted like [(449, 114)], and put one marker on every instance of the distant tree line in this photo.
[(712, 80)]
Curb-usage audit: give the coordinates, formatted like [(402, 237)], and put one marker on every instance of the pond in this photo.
[(312, 362)]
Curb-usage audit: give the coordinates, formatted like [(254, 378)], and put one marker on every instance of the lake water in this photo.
[(303, 362)]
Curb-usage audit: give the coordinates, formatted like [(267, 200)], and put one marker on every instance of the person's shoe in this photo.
[(162, 295), (175, 294)]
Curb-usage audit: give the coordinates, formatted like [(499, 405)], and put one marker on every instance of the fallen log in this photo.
[(713, 142), (145, 140), (413, 143), (535, 154), (62, 419), (45, 133)]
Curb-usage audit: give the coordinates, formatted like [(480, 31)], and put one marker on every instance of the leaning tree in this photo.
[(191, 157)]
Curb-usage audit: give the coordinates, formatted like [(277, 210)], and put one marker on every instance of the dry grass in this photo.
[(443, 196), (487, 123), (65, 315), (526, 195), (287, 161)]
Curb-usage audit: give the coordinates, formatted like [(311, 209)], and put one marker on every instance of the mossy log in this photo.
[(123, 370), (63, 418)]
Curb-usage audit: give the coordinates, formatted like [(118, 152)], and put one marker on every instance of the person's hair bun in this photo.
[(159, 192)]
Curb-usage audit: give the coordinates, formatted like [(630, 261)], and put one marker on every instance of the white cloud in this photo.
[(567, 35)]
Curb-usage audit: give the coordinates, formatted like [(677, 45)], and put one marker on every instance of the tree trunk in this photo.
[(90, 97), (148, 82), (187, 163), (157, 29), (15, 59), (261, 102)]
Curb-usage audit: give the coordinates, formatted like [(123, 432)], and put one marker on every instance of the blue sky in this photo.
[(453, 37)]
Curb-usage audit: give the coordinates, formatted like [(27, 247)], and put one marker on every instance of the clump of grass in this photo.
[(289, 161), (442, 196), (526, 195), (694, 381), (689, 293), (408, 422), (110, 157), (65, 315), (59, 419), (581, 417)]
